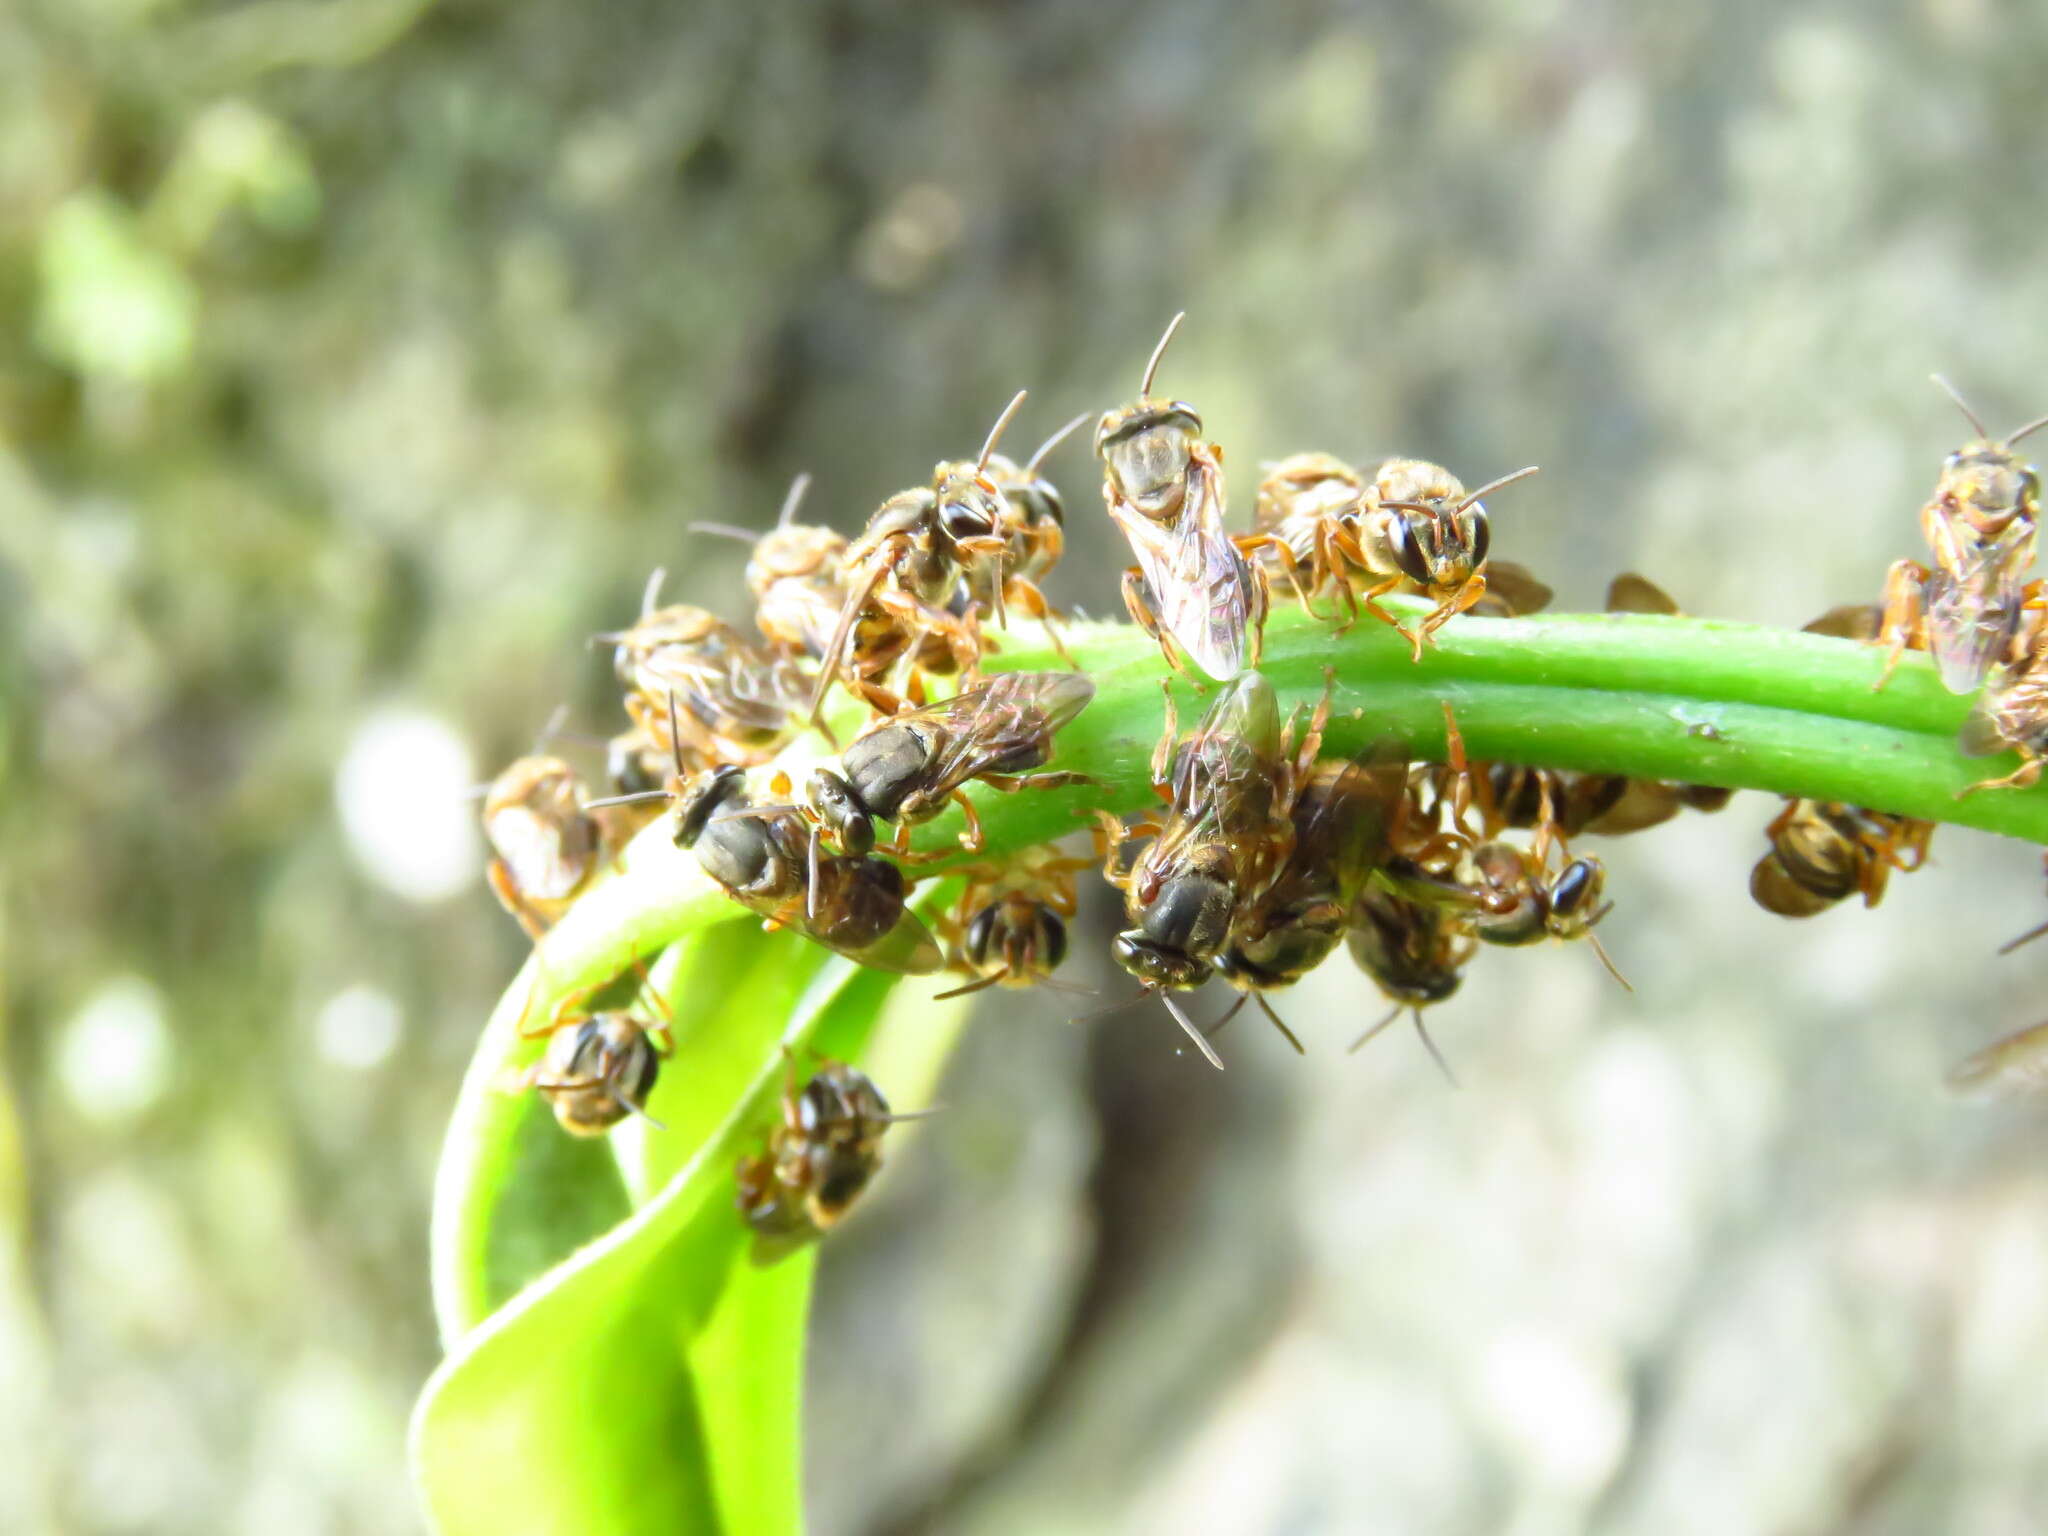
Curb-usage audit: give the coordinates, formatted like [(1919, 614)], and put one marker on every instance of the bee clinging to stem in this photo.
[(1192, 589)]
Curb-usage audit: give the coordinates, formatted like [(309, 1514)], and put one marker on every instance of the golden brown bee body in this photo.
[(1420, 530), (907, 767), (796, 577), (735, 702), (1305, 520), (767, 858), (1971, 608), (545, 845), (819, 1158), (1009, 929), (1822, 852), (1526, 903), (911, 579), (1192, 589)]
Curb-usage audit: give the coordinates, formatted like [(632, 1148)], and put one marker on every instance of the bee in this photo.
[(738, 704), (1822, 852), (2015, 1065), (910, 579), (2012, 714), (795, 575), (1231, 786), (1034, 537), (1415, 951), (1981, 523), (1010, 929), (1411, 526), (545, 842), (907, 767), (823, 1153), (1424, 530), (1192, 589), (1524, 902), (766, 857), (599, 1066), (1341, 819)]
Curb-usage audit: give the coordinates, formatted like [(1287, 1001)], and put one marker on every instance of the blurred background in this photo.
[(359, 358)]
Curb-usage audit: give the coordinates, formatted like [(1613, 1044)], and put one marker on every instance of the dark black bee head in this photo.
[(970, 513), (632, 766), (1191, 914), (836, 805), (711, 791), (1577, 888), (599, 1071), (1156, 965), (882, 768)]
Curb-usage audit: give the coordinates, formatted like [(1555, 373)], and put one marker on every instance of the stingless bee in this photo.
[(1414, 950), (737, 703), (795, 575), (1969, 610), (1231, 786), (1009, 929), (1822, 852), (1192, 589), (1524, 901), (2011, 714), (599, 1066), (1341, 818), (767, 858), (911, 578), (905, 768), (1412, 526), (1034, 536), (821, 1155), (545, 843)]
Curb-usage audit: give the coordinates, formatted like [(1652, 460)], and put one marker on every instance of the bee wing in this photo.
[(1517, 587), (547, 860), (908, 949), (1982, 735), (1849, 621), (1199, 581), (1633, 593), (2016, 1064), (1969, 627)]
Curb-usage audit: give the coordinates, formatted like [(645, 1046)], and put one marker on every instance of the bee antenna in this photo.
[(1152, 367), (1493, 485), (1201, 1040), (653, 589), (1364, 1039), (1961, 404), (1103, 1013), (638, 797), (896, 1116), (979, 984), (1277, 1022), (1608, 960), (2033, 426), (995, 432), (1046, 447), (1231, 1013), (1442, 1066), (632, 1107), (552, 729), (793, 500), (675, 735), (725, 531), (2027, 937)]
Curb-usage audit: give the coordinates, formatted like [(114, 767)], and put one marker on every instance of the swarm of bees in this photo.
[(1264, 856)]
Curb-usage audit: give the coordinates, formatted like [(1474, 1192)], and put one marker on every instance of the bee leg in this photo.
[(1162, 750), (1108, 835), (1468, 594), (1367, 599), (970, 835), (1259, 593), (1016, 783), (1138, 603), (2020, 778), (1903, 625)]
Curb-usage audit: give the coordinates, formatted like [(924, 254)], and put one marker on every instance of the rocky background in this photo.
[(359, 358)]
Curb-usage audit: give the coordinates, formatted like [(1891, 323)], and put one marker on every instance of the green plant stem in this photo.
[(1698, 700)]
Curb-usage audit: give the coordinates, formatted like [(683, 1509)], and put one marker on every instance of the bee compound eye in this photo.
[(1052, 938), (980, 932)]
